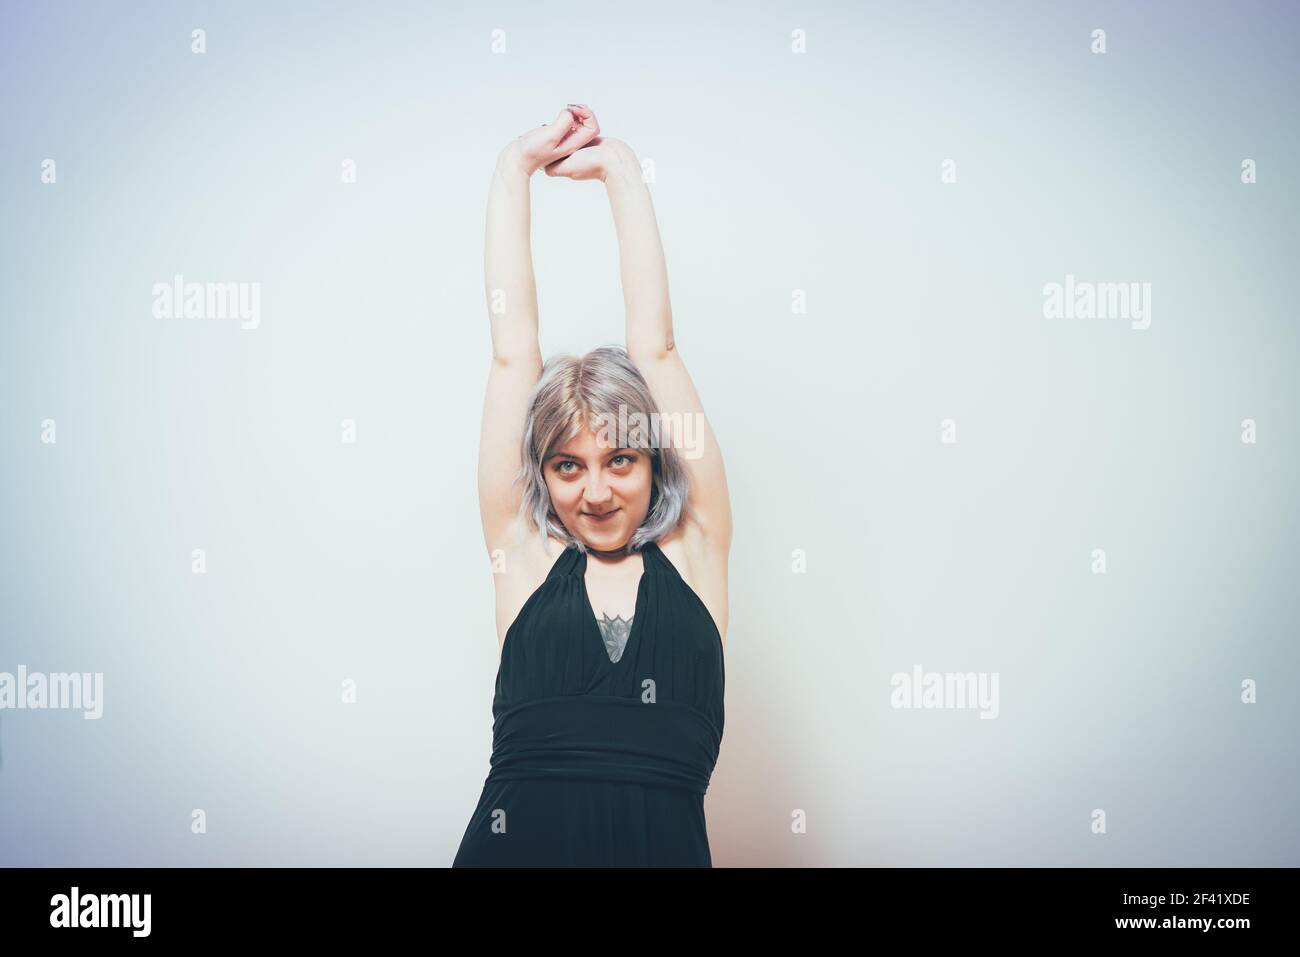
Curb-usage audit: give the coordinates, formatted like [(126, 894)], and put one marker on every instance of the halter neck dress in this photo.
[(599, 763)]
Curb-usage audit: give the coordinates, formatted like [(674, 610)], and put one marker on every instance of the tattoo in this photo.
[(615, 631)]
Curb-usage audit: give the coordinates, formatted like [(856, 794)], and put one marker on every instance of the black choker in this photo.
[(625, 550)]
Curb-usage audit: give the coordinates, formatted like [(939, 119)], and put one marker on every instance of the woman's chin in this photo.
[(606, 541)]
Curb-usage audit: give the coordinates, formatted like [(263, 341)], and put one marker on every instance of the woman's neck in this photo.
[(610, 555)]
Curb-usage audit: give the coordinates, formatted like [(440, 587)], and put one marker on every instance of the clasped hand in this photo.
[(571, 146)]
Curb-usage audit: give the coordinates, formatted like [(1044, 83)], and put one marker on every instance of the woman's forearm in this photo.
[(641, 257), (508, 260)]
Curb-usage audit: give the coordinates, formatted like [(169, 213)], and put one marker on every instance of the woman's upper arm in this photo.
[(510, 385), (678, 402)]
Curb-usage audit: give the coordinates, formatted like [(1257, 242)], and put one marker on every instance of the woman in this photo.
[(609, 542)]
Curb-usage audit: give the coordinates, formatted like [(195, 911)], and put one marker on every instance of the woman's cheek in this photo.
[(565, 494)]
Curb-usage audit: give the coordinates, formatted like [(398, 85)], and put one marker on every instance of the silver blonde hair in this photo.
[(576, 394)]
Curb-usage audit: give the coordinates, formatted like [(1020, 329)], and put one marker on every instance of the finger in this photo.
[(575, 164), (581, 128), (558, 167), (584, 115), (578, 137), (565, 166), (563, 125)]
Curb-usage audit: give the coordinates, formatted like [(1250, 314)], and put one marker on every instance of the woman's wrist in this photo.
[(511, 161), (622, 168)]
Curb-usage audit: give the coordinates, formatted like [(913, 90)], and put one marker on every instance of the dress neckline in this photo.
[(593, 623)]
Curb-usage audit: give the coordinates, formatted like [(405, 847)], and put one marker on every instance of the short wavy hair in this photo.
[(575, 394)]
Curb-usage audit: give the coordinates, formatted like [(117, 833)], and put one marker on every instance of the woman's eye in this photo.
[(619, 461)]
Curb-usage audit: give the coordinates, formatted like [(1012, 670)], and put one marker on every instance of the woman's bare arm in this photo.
[(651, 346), (508, 259), (512, 313), (516, 355)]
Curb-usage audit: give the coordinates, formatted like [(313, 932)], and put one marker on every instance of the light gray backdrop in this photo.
[(858, 239)]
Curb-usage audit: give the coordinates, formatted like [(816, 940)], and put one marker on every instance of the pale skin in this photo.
[(588, 479)]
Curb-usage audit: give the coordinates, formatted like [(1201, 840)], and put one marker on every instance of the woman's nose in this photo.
[(598, 492)]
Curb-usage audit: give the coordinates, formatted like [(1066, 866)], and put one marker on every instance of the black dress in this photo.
[(598, 762)]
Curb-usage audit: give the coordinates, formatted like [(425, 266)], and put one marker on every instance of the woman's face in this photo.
[(600, 495)]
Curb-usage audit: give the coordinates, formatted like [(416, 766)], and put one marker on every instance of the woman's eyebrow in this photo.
[(573, 455)]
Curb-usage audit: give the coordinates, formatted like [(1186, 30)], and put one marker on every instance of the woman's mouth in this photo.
[(602, 517)]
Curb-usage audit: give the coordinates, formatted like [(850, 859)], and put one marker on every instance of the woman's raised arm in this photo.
[(649, 318), (512, 312)]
